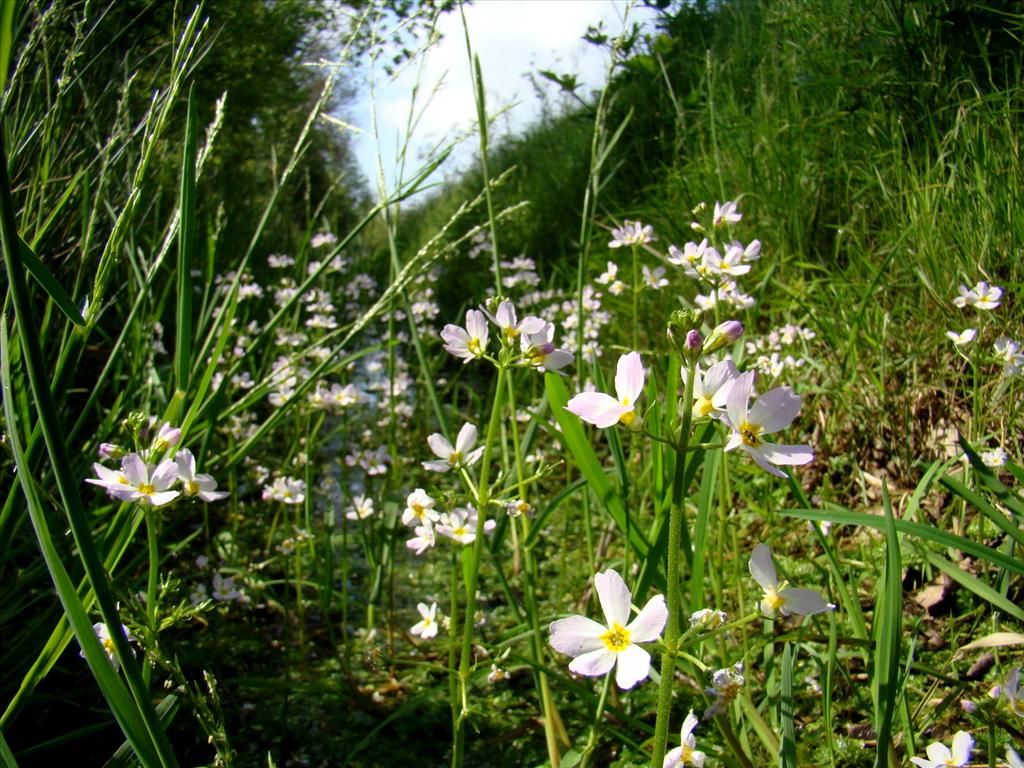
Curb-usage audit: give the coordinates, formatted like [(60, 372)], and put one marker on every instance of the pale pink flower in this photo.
[(772, 411), (787, 600), (201, 485), (940, 756), (449, 456), (597, 648), (470, 342), (603, 410)]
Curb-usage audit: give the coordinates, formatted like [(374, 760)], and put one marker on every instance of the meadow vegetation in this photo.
[(682, 428)]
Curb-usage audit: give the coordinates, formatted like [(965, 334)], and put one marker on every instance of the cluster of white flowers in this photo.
[(421, 514), (771, 352), (287, 490), (535, 337), (987, 298), (715, 262)]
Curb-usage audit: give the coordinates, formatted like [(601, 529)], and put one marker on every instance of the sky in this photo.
[(511, 38)]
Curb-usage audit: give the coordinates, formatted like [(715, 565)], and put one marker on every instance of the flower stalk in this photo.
[(675, 527)]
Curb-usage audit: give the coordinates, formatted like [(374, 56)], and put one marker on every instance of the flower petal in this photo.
[(673, 758), (775, 410), (806, 602), (467, 438), (688, 725), (649, 623), (962, 746), (786, 454), (762, 568), (938, 753), (629, 378), (634, 664), (135, 469), (594, 663), (596, 408), (165, 475), (737, 400), (762, 462), (439, 445), (576, 635), (614, 596)]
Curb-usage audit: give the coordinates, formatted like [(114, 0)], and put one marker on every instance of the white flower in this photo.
[(423, 540), (654, 278), (939, 755), (362, 508), (505, 319), (449, 457), (460, 525), (726, 213), (287, 490), (201, 485), (470, 342), (427, 626), (596, 649), (806, 602), (1013, 759), (774, 410), (686, 753), (419, 509), (725, 687), (609, 275), (603, 410), (103, 635), (540, 352), (994, 458), (1009, 352), (965, 336), (1011, 690), (711, 388), (691, 255), (631, 233)]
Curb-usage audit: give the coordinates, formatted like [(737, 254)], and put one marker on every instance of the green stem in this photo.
[(595, 725), (675, 527), (152, 579), (471, 572), (529, 572)]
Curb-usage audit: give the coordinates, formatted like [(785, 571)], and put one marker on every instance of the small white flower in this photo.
[(419, 509), (654, 278), (631, 233), (1011, 691), (711, 388), (201, 485), (423, 540), (103, 635), (470, 342), (726, 213), (362, 508), (806, 602), (726, 685), (450, 457), (965, 336), (995, 458), (427, 626), (1013, 759), (138, 481), (708, 619), (686, 753), (772, 411), (603, 410), (940, 756)]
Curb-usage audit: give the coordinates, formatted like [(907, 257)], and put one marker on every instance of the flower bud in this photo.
[(694, 341), (681, 324), (110, 451), (723, 335)]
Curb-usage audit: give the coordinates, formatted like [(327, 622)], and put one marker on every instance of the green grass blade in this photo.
[(787, 751), (973, 583), (120, 702), (887, 629), (63, 471), (53, 289), (582, 452), (6, 757), (981, 504), (1006, 496), (186, 240), (843, 516)]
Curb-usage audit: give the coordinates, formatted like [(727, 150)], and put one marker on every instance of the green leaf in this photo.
[(186, 239), (53, 289), (590, 467), (571, 758), (887, 630), (787, 753)]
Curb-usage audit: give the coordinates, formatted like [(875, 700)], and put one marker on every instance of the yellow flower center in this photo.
[(703, 406), (474, 346), (750, 434), (418, 510), (108, 645), (616, 639), (536, 358), (628, 417), (773, 600), (454, 457), (191, 488), (460, 531), (511, 333), (147, 489)]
